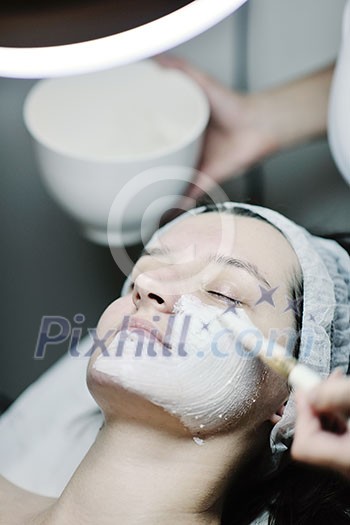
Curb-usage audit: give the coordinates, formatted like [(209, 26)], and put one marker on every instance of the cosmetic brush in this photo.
[(271, 354), (298, 375)]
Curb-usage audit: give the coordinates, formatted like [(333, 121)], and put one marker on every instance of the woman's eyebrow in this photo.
[(243, 265), (218, 259), (155, 251)]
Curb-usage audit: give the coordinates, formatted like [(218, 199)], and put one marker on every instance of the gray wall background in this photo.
[(47, 268), (286, 40)]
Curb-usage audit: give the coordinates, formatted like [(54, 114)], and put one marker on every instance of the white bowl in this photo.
[(93, 134)]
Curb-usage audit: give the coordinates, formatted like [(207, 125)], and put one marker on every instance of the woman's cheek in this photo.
[(271, 320), (112, 317)]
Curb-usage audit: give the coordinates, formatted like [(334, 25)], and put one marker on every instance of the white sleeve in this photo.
[(339, 106)]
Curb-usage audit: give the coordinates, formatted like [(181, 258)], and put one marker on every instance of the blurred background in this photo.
[(47, 268)]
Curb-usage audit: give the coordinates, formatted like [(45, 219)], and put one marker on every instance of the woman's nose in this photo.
[(151, 292)]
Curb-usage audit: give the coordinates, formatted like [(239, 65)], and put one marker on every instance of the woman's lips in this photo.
[(146, 326)]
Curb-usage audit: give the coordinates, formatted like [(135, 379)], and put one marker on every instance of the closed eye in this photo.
[(225, 298)]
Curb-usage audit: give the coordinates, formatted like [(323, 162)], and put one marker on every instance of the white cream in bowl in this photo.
[(94, 133)]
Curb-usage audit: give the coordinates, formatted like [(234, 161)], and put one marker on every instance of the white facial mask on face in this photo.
[(207, 381)]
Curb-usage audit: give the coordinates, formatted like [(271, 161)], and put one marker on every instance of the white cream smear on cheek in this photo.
[(215, 383)]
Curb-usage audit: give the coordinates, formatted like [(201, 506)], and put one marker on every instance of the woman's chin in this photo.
[(119, 403)]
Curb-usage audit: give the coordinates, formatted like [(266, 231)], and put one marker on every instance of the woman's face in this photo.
[(201, 268)]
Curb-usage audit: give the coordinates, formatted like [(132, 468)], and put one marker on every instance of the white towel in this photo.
[(46, 433)]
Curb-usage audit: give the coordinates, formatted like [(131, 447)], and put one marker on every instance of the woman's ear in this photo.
[(275, 418)]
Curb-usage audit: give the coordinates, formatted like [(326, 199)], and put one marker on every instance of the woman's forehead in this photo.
[(213, 227), (199, 227), (231, 235)]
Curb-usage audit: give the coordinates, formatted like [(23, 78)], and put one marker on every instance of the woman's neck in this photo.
[(141, 476)]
